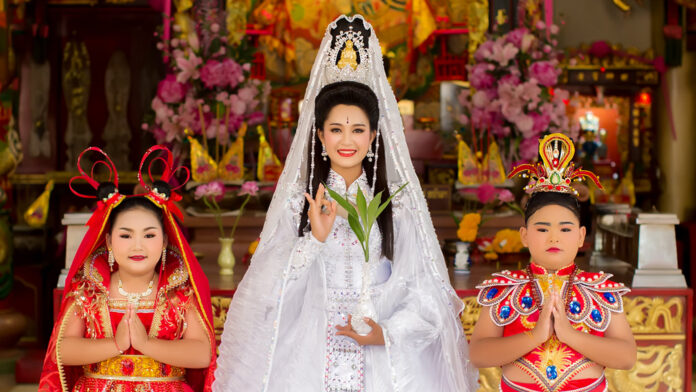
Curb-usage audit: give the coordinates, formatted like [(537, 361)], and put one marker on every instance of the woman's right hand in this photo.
[(122, 335), (544, 326), (321, 222)]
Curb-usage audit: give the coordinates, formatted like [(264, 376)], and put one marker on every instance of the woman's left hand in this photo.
[(375, 337), (561, 325), (138, 334)]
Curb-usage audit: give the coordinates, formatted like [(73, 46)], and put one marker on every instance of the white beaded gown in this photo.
[(280, 330)]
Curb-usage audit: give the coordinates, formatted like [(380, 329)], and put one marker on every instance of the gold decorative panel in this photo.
[(659, 368), (470, 315), (654, 315)]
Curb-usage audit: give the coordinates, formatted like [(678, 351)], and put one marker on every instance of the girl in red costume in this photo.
[(136, 313), (552, 327)]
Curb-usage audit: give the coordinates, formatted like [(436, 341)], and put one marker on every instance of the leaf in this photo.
[(372, 210), (362, 205), (386, 202), (357, 228), (342, 202)]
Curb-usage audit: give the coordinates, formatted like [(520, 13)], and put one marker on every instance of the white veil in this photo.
[(251, 330)]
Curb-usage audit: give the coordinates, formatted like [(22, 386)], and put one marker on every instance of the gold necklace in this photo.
[(134, 298)]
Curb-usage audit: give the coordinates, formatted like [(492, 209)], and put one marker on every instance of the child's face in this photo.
[(553, 236), (137, 241)]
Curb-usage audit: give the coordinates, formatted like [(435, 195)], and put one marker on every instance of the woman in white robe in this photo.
[(288, 327)]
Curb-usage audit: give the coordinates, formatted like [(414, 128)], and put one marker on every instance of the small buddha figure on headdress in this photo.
[(348, 56)]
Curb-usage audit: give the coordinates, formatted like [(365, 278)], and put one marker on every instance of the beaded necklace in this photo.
[(536, 293)]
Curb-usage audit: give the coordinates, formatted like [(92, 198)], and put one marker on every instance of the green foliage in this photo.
[(363, 215)]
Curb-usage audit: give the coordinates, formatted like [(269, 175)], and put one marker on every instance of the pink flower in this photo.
[(213, 189), (485, 192), (171, 91), (484, 51), (249, 188), (188, 66), (502, 54), (544, 72), (479, 76), (506, 196), (554, 29), (515, 36), (213, 74), (233, 72), (529, 148), (541, 121)]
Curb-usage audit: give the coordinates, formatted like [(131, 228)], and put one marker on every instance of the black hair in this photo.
[(136, 201), (355, 94), (539, 200)]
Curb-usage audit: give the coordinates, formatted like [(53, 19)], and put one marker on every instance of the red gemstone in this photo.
[(549, 186), (127, 367), (555, 162), (567, 181), (558, 188), (541, 179)]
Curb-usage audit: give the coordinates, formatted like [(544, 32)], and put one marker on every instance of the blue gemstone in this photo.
[(575, 307), (527, 302), (491, 293), (609, 297), (596, 315), (551, 372), (505, 312)]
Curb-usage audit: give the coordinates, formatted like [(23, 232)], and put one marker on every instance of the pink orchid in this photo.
[(188, 67), (250, 188)]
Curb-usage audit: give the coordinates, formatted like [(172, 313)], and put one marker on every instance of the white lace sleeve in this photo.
[(307, 248), (303, 254)]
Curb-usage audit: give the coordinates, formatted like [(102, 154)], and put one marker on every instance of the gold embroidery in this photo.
[(134, 368)]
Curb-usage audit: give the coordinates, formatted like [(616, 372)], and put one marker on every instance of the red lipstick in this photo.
[(553, 250), (137, 258), (346, 153)]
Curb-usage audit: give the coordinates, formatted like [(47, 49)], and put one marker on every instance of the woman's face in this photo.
[(136, 241), (346, 136), (553, 236)]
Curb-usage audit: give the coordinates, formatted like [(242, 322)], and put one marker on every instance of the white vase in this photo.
[(461, 259), (365, 307), (226, 257)]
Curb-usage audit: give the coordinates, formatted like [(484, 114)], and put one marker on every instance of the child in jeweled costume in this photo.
[(552, 326), (136, 312)]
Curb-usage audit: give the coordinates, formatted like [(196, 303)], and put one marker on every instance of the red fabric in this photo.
[(569, 386)]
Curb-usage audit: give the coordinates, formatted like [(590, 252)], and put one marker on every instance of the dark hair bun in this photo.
[(105, 189), (162, 187)]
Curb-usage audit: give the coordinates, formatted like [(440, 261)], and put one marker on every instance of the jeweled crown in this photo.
[(348, 58), (557, 171)]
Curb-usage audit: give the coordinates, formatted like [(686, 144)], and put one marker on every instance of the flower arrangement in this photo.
[(468, 227), (505, 241), (512, 96), (211, 193), (207, 89)]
